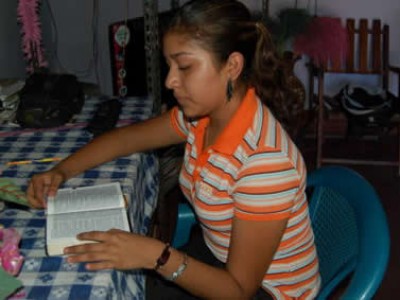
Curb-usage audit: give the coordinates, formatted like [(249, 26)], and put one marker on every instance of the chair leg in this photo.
[(320, 125), (398, 149), (311, 72)]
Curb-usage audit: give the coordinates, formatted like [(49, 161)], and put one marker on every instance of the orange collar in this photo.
[(233, 133)]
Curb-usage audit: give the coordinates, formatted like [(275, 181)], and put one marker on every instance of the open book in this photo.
[(75, 210)]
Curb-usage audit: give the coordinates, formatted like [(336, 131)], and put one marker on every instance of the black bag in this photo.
[(49, 100), (105, 117), (369, 108)]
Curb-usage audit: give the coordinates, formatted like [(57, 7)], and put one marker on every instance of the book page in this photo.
[(61, 226), (104, 196)]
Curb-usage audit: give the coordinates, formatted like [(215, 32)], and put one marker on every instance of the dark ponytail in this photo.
[(270, 79)]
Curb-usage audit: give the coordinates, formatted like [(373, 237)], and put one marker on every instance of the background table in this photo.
[(52, 277)]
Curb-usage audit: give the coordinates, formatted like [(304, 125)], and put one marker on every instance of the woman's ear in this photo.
[(235, 65)]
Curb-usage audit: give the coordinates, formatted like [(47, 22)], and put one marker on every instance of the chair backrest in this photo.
[(351, 231), (184, 224), (368, 50)]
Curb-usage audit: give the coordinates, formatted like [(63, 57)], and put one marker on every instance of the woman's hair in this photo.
[(226, 26)]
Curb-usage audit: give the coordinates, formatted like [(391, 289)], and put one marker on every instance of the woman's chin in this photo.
[(189, 113)]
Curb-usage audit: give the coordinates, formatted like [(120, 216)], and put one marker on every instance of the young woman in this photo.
[(242, 173)]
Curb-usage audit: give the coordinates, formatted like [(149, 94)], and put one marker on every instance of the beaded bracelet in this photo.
[(162, 260), (180, 269)]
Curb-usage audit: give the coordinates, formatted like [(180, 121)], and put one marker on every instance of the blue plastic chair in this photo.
[(351, 232), (186, 221), (350, 226)]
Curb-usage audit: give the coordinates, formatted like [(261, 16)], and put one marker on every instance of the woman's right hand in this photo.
[(43, 186)]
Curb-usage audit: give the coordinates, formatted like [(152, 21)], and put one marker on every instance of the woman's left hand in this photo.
[(115, 249)]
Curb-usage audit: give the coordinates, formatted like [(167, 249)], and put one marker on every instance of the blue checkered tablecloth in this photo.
[(52, 277)]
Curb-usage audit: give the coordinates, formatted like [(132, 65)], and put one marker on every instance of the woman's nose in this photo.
[(171, 80)]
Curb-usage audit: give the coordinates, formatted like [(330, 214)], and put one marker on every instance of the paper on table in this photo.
[(11, 192)]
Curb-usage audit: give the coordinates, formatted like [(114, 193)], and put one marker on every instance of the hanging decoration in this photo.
[(122, 37), (29, 20), (325, 39)]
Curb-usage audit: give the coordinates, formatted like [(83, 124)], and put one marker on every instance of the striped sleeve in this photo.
[(178, 122), (267, 187)]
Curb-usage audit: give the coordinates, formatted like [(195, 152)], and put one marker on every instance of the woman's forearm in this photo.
[(203, 280), (144, 136)]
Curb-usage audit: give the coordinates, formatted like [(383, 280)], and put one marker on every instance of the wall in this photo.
[(72, 50), (11, 60), (82, 46)]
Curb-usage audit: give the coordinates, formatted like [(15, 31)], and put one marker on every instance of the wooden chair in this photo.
[(368, 53)]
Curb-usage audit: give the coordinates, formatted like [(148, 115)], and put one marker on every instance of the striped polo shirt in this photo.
[(253, 172)]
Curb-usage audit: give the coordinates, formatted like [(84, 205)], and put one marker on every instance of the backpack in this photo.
[(49, 100)]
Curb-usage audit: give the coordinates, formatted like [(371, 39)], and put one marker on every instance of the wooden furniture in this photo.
[(368, 53)]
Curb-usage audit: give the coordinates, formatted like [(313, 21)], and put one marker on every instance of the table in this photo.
[(52, 277)]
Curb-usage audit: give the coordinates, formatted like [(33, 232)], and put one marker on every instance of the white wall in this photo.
[(11, 60), (75, 48), (75, 36)]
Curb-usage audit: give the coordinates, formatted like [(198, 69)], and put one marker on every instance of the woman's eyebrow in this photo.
[(179, 54)]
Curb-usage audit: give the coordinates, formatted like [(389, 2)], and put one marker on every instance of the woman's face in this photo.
[(198, 85)]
